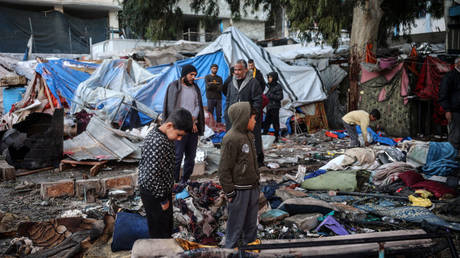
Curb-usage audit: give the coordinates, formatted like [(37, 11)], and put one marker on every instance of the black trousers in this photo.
[(160, 222), (454, 130), (272, 118), (186, 146), (215, 104)]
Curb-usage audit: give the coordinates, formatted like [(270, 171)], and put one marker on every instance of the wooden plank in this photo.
[(347, 249), (30, 172)]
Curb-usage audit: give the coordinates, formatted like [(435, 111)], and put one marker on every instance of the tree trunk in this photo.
[(365, 28)]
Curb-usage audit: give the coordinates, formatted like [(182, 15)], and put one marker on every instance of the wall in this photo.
[(94, 4)]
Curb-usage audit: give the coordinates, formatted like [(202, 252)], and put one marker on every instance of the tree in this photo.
[(159, 19), (370, 21)]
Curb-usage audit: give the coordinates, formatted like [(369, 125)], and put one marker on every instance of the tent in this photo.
[(119, 85), (302, 84)]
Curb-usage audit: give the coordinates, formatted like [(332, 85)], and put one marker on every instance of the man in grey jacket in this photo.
[(184, 93), (244, 87)]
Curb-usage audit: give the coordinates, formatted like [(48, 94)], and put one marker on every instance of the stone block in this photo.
[(117, 182), (7, 172), (305, 222), (57, 189)]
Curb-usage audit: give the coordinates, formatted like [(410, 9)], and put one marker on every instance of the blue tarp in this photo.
[(378, 138), (154, 93), (61, 79)]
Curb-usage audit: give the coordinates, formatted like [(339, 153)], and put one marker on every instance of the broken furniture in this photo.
[(96, 165)]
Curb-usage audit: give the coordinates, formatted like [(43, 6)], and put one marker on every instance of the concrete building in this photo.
[(251, 23), (80, 8)]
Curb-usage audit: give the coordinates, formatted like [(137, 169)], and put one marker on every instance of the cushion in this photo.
[(129, 227)]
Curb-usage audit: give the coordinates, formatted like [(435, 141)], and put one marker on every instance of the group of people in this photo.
[(241, 150)]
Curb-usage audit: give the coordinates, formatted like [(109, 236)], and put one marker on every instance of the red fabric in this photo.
[(428, 84), (265, 101), (332, 135), (370, 57), (411, 178), (436, 188)]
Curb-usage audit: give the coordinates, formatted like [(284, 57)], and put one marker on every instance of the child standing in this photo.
[(156, 171), (239, 175)]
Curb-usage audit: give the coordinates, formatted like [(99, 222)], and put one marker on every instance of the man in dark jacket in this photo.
[(214, 92), (275, 95), (244, 87), (256, 73), (184, 93), (449, 99), (228, 80)]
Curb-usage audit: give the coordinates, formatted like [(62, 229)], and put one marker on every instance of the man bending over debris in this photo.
[(361, 118), (239, 175), (156, 171)]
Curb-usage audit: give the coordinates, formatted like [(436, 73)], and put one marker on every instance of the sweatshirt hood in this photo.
[(274, 75), (239, 114)]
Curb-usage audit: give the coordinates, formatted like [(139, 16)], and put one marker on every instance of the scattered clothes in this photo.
[(410, 214), (217, 138), (395, 154), (420, 201), (332, 180), (333, 225), (339, 134), (411, 178), (440, 159), (189, 245), (182, 195), (388, 173), (423, 193), (438, 189), (315, 174)]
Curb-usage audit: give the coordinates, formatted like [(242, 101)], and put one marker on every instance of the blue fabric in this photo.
[(377, 138), (288, 125), (128, 228), (217, 137), (315, 174), (440, 159), (154, 92), (62, 79)]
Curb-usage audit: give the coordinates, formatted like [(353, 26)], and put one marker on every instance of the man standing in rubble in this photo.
[(184, 93), (244, 87), (214, 92), (449, 99)]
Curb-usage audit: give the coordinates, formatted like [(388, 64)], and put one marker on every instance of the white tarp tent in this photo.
[(301, 84)]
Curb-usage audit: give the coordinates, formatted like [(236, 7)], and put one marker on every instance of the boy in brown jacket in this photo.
[(239, 175)]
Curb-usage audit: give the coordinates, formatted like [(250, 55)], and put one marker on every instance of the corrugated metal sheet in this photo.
[(99, 142)]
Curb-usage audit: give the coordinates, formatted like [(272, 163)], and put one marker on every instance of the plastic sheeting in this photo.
[(113, 88), (154, 96), (301, 84), (61, 77)]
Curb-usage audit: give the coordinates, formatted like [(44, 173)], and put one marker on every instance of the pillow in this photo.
[(128, 228), (410, 177)]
